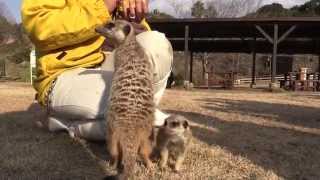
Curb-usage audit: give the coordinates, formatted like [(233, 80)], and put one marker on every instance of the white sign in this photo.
[(33, 59), (33, 64)]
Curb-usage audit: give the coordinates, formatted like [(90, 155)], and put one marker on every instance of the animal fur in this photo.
[(130, 112)]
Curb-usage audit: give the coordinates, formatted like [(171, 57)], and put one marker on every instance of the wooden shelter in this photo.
[(242, 35)]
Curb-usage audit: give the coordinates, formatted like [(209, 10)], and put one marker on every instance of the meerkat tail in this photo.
[(127, 162), (129, 152)]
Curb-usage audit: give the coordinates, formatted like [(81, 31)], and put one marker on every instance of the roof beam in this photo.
[(287, 33), (266, 35)]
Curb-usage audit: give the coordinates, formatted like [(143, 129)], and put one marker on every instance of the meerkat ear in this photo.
[(185, 124), (126, 29)]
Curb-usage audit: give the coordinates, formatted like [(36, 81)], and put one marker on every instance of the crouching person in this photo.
[(74, 74)]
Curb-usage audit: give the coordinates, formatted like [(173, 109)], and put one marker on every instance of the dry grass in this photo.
[(237, 135)]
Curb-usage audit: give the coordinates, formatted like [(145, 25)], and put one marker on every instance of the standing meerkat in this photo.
[(130, 114), (173, 139)]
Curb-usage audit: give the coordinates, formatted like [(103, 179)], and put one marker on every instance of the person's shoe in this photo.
[(74, 131), (55, 125)]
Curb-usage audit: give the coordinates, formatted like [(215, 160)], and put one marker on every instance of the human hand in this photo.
[(134, 10), (111, 5)]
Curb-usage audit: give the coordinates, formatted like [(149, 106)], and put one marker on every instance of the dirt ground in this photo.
[(238, 134)]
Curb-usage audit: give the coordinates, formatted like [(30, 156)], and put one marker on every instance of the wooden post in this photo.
[(203, 67), (253, 71), (205, 71), (4, 68), (318, 62), (274, 54), (191, 66), (186, 51)]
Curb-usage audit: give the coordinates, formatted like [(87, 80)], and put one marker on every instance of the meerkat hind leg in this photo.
[(114, 151), (145, 151)]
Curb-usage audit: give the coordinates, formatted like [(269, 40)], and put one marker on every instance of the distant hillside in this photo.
[(308, 9), (14, 47)]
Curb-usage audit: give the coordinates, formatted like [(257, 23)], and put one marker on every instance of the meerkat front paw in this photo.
[(148, 163)]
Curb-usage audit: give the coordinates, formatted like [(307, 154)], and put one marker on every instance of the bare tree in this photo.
[(234, 8), (222, 8), (180, 8)]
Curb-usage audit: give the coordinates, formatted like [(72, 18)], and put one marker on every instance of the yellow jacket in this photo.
[(63, 32)]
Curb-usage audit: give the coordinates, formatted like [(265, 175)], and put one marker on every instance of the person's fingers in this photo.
[(139, 13), (145, 5), (132, 7), (125, 6), (135, 10)]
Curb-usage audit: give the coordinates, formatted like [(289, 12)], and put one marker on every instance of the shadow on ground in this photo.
[(290, 114), (289, 153), (28, 152)]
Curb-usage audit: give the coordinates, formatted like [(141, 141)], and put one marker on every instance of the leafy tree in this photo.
[(198, 10), (310, 8)]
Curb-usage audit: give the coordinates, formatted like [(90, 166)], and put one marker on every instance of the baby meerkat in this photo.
[(173, 139), (130, 113)]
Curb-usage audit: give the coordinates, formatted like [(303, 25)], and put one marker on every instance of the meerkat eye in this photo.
[(185, 124), (126, 29), (110, 25)]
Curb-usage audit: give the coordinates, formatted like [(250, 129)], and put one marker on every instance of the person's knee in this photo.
[(159, 48), (75, 112), (156, 42)]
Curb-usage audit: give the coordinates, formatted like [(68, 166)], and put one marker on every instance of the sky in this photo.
[(14, 5), (164, 6)]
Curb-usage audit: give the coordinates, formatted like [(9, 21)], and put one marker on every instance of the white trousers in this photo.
[(80, 96)]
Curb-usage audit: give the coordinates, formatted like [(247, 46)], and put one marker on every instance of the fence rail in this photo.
[(266, 78)]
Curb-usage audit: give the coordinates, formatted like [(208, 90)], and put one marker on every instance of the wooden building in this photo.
[(242, 35)]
